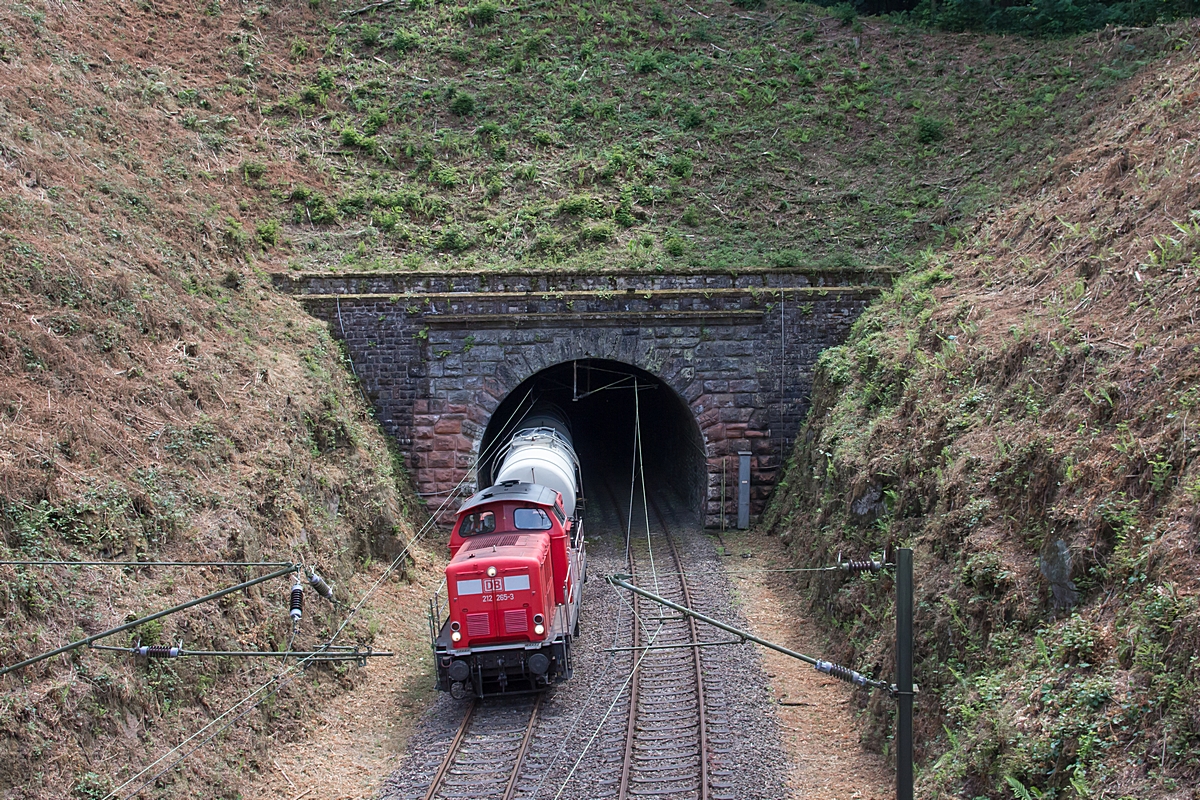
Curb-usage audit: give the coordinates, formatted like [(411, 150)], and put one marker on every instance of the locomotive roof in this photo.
[(527, 492)]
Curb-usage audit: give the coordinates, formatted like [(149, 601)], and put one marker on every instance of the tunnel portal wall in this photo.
[(438, 353)]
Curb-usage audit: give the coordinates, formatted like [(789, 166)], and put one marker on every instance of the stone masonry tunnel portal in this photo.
[(446, 357)]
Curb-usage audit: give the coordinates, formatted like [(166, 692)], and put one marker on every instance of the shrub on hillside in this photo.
[(1049, 17)]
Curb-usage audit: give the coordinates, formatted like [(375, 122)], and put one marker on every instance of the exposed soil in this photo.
[(349, 743), (818, 715)]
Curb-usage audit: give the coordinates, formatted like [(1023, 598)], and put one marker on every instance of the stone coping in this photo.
[(603, 294)]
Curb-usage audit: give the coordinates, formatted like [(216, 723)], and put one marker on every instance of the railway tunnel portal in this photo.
[(721, 364)]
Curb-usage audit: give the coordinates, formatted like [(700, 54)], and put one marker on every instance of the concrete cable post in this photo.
[(904, 674)]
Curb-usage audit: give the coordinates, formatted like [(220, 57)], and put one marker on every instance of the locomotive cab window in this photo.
[(531, 519), (477, 523)]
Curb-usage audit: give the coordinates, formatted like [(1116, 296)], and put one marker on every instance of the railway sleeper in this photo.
[(688, 770), (653, 736), (662, 688), (660, 710), (643, 792), (476, 771)]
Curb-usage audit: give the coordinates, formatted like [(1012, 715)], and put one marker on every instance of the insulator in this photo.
[(857, 567), (156, 651), (841, 673), (297, 602), (320, 586)]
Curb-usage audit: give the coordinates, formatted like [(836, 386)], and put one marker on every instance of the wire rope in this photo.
[(639, 471), (608, 713), (278, 678)]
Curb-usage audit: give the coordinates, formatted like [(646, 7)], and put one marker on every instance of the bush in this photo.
[(253, 171), (930, 130), (235, 235), (691, 118), (463, 104), (580, 205), (446, 177), (484, 13), (404, 41), (267, 233), (352, 138), (600, 233), (312, 206), (644, 63), (90, 786), (845, 13), (369, 35), (375, 120), (624, 213), (680, 166), (1050, 17), (453, 240)]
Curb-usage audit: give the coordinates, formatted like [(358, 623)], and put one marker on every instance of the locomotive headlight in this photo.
[(455, 636), (491, 572), (539, 629)]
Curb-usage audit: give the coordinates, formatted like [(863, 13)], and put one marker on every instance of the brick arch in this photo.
[(714, 370)]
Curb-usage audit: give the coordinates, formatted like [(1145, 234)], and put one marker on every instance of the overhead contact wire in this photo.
[(278, 679)]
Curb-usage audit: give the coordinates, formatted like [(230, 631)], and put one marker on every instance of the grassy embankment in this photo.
[(1019, 411), (661, 135), (160, 401)]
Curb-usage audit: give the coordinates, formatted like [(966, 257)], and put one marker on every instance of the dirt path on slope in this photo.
[(816, 713)]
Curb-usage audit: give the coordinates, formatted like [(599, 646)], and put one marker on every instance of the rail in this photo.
[(471, 718)]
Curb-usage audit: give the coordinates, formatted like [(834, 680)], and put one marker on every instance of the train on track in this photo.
[(513, 589)]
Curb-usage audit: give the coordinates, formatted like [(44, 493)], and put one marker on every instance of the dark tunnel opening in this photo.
[(602, 400)]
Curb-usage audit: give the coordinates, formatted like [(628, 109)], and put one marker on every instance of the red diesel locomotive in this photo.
[(513, 585)]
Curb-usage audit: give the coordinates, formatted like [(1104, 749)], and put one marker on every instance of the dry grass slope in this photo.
[(1020, 411), (157, 400)]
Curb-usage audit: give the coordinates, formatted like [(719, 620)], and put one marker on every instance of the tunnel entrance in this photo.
[(603, 401)]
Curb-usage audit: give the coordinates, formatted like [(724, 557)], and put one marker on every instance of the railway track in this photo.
[(688, 726), (666, 738), (487, 752)]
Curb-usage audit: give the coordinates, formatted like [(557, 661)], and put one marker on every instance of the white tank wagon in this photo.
[(543, 452)]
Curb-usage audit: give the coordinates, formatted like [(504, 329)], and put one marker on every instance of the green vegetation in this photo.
[(1053, 18), (567, 134), (1017, 410)]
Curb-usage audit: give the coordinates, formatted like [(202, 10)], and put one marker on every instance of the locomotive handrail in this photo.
[(435, 611)]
